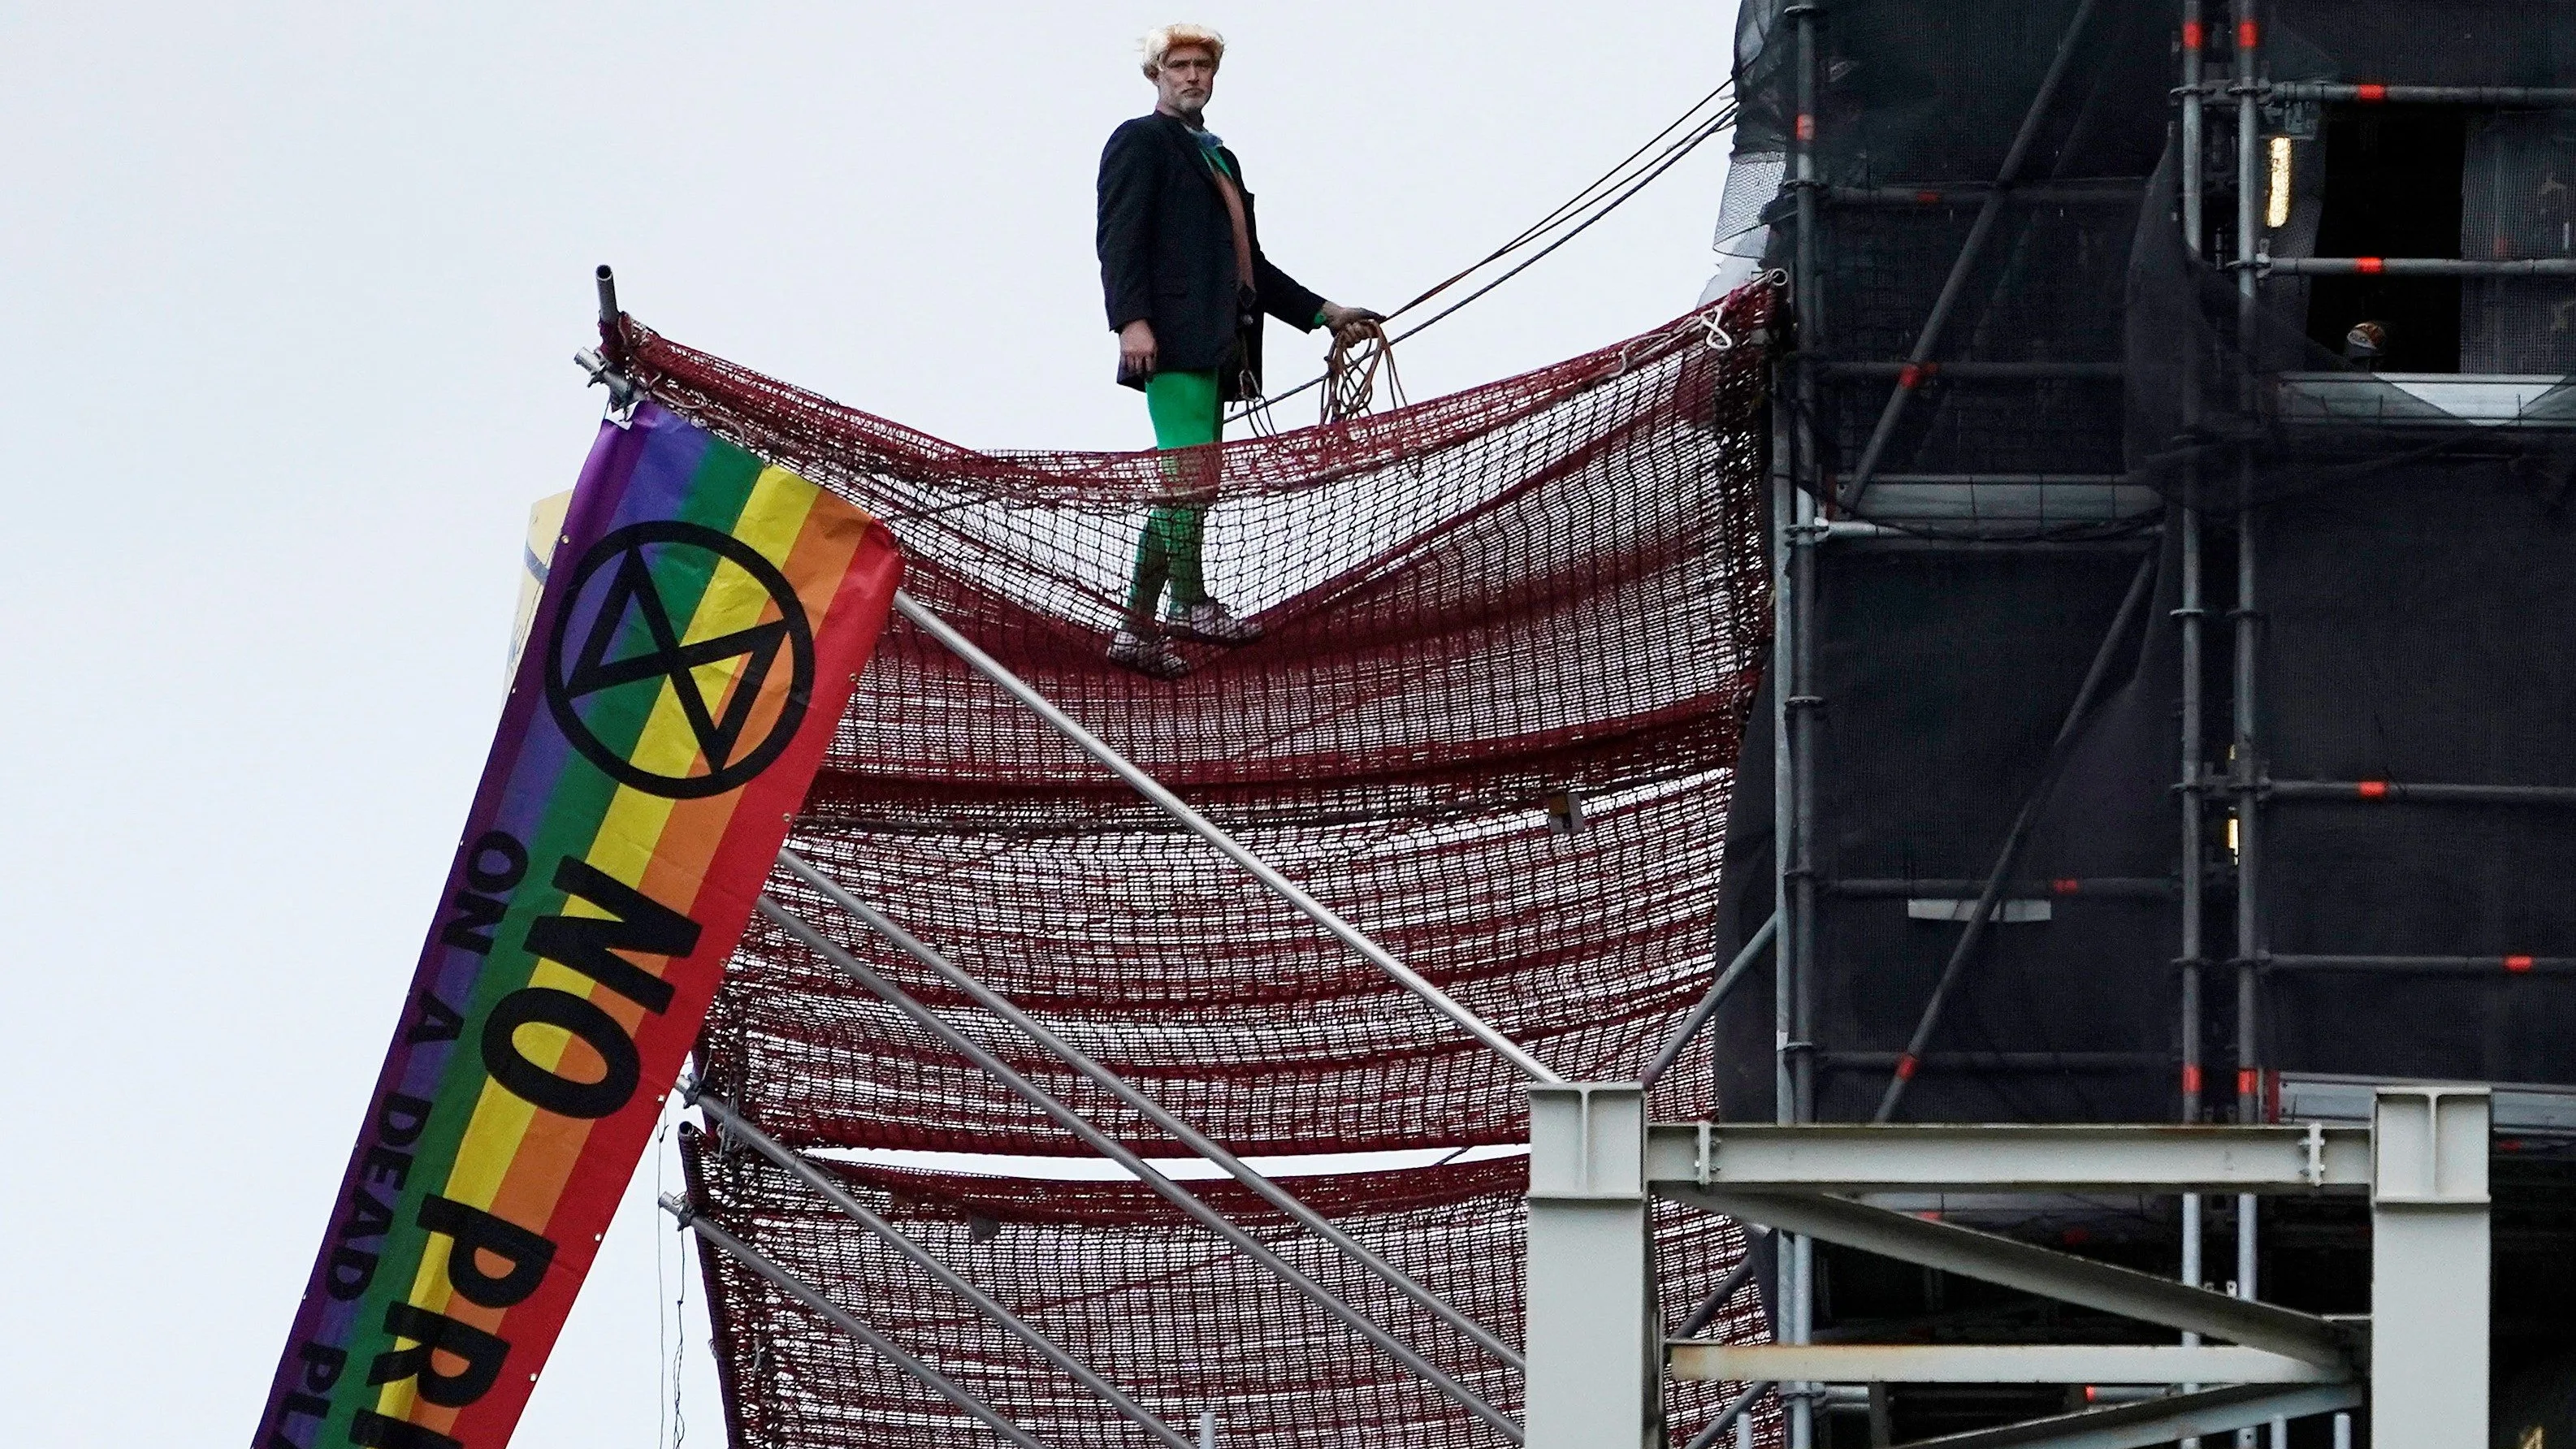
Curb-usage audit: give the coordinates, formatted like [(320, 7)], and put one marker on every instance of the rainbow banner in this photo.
[(697, 640)]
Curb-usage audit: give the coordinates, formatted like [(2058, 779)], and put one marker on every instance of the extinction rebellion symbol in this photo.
[(630, 649)]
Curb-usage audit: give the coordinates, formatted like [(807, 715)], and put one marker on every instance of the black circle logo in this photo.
[(631, 650)]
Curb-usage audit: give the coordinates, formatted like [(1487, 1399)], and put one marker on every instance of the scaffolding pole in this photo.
[(849, 1323), (1981, 371), (2372, 94), (2423, 965), (2393, 792), (1732, 1414), (1199, 825), (1793, 520), (2190, 618), (2247, 764), (2415, 267), (1708, 1004), (1970, 252), (1118, 1152), (1727, 1287), (736, 1127), (1261, 1185), (2098, 191), (2115, 887)]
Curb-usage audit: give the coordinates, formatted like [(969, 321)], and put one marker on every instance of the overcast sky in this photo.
[(286, 298)]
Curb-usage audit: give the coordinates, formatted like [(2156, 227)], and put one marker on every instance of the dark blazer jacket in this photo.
[(1167, 255)]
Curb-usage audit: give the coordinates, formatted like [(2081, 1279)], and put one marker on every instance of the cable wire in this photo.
[(1662, 162)]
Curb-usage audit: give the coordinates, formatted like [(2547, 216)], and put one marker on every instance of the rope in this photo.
[(1350, 375), (1590, 196), (1605, 181)]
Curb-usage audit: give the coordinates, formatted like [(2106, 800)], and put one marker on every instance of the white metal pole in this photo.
[(1708, 1004), (847, 1322), (1152, 1111), (920, 1257), (1116, 1151), (1205, 829)]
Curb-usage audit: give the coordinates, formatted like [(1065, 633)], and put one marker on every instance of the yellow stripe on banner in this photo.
[(773, 517)]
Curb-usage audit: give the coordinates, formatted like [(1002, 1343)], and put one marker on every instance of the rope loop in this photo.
[(1350, 374)]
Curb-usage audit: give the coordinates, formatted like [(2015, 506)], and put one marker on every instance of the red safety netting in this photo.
[(1511, 637), (1176, 1318), (1553, 580)]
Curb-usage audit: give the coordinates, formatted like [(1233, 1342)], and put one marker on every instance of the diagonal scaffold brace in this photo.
[(1970, 252), (734, 1126), (846, 1321), (1990, 896), (1235, 1167), (1170, 804), (1709, 1003), (1154, 1178)]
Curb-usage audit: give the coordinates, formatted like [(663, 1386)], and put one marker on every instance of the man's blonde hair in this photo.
[(1160, 40)]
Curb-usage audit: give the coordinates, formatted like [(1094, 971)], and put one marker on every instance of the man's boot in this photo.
[(1142, 647), (1212, 623)]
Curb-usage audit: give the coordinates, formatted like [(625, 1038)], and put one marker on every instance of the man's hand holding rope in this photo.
[(1351, 325)]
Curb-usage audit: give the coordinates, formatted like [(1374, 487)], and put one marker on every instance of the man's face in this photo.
[(1186, 80)]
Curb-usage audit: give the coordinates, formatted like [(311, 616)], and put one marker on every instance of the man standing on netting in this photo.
[(1186, 283)]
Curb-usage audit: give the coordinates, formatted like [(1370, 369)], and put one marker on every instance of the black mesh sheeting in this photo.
[(1115, 1276), (2516, 203), (2470, 42), (2422, 629), (1947, 673), (2010, 427), (1935, 92), (2229, 408)]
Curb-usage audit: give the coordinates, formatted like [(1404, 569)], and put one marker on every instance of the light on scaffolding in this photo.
[(2276, 204)]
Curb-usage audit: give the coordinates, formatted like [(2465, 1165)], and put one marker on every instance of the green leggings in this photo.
[(1186, 413)]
